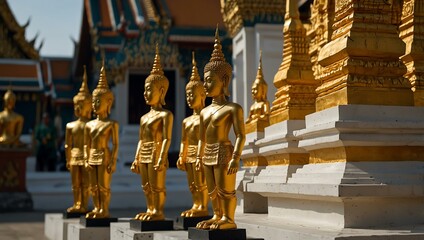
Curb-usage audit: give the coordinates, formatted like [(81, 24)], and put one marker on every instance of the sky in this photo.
[(55, 21)]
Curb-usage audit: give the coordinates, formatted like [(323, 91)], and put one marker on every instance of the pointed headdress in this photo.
[(83, 93), (218, 64), (157, 76)]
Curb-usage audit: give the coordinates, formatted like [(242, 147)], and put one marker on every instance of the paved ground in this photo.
[(30, 225)]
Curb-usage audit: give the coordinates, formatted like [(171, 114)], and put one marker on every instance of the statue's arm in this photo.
[(166, 140), (238, 126), (68, 144), (183, 149), (201, 144), (87, 144), (115, 146), (265, 110)]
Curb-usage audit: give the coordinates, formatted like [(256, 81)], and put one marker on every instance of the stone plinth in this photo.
[(13, 190), (78, 232), (122, 231), (55, 227)]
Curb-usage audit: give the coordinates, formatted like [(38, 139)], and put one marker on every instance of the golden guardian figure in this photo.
[(216, 153), (151, 158), (11, 123), (74, 148), (101, 161), (259, 110), (195, 96)]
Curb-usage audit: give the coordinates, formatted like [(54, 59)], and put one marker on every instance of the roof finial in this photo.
[(157, 67)]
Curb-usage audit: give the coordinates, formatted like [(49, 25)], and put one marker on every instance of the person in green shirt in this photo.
[(45, 136)]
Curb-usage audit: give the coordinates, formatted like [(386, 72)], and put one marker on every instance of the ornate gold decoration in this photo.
[(277, 160), (361, 63), (219, 158), (74, 148), (258, 117), (412, 33), (100, 160), (12, 36), (237, 13), (195, 96), (295, 96), (320, 32), (140, 54), (151, 158)]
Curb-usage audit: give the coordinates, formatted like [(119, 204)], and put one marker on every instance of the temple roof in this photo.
[(12, 36), (125, 32)]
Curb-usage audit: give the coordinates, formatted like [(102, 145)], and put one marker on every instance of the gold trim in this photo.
[(277, 160), (367, 154)]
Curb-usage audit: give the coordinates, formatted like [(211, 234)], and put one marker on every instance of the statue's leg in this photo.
[(200, 206), (76, 189), (94, 192), (157, 180), (147, 191), (85, 193), (227, 197), (192, 187), (213, 193), (103, 180)]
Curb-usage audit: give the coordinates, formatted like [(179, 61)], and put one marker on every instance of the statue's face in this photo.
[(9, 102), (257, 91), (194, 98), (213, 84), (82, 109), (100, 104), (151, 93)]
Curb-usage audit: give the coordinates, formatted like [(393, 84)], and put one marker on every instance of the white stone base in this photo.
[(55, 227), (122, 231), (262, 226), (78, 232)]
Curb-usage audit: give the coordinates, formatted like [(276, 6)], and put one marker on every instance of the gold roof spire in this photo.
[(194, 72), (157, 67)]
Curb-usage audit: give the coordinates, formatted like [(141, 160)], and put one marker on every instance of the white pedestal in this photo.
[(351, 188), (55, 227), (122, 231), (78, 232)]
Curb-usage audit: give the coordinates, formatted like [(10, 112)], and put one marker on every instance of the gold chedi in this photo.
[(195, 96), (151, 158), (74, 148), (220, 160), (258, 117), (101, 161), (11, 123)]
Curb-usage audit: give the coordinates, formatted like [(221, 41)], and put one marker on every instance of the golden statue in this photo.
[(74, 148), (219, 158), (195, 96), (151, 158), (11, 123), (260, 108), (100, 160)]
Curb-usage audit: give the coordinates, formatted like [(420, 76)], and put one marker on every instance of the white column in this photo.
[(246, 48)]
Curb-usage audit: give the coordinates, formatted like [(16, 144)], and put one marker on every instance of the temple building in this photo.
[(41, 84)]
